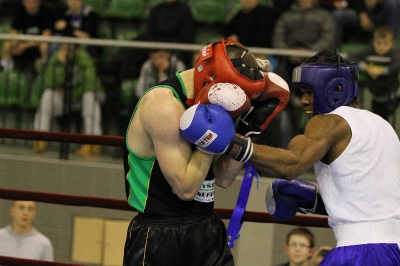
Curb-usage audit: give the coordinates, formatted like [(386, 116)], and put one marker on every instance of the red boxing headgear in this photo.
[(213, 66)]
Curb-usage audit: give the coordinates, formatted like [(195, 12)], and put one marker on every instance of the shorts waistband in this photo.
[(367, 232), (158, 220)]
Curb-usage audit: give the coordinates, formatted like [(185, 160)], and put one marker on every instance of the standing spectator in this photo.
[(32, 18), (21, 239), (363, 16), (81, 21), (85, 93), (381, 63), (304, 27), (299, 247), (171, 21)]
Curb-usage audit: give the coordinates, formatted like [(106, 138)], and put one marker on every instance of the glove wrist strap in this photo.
[(235, 223)]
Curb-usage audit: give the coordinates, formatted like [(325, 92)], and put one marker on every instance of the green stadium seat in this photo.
[(235, 6), (99, 6), (5, 27), (209, 11), (37, 91), (13, 89), (126, 9)]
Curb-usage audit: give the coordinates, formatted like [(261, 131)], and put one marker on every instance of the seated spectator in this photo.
[(81, 21), (32, 18), (381, 63), (21, 239), (355, 18), (84, 89), (299, 246), (161, 65), (304, 27), (261, 19), (171, 21)]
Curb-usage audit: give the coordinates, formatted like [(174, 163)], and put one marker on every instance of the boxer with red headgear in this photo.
[(178, 150), (220, 69)]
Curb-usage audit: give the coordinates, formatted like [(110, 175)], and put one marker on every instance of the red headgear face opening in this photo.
[(213, 66)]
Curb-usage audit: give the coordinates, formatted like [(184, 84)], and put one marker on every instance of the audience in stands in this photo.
[(71, 84), (32, 18), (171, 21), (259, 18), (80, 20), (160, 65), (356, 19), (381, 63), (305, 27)]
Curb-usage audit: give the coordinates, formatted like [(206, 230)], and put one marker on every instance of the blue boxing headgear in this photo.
[(323, 73)]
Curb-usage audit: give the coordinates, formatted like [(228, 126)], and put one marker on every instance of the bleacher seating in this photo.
[(99, 6), (209, 11), (126, 9)]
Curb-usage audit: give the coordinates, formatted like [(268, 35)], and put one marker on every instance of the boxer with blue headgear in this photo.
[(356, 159), (332, 78)]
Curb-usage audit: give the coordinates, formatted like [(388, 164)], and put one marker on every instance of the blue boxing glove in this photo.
[(209, 127), (285, 198)]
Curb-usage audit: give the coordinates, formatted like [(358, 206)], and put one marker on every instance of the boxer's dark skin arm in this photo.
[(324, 139)]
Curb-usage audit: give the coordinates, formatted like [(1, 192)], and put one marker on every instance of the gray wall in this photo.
[(259, 244)]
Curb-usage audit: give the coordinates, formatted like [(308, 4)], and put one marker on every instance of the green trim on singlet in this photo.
[(140, 168), (140, 171)]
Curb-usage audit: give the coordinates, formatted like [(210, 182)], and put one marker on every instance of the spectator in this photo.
[(171, 21), (21, 239), (304, 27), (85, 91), (32, 18), (353, 17), (119, 77), (299, 247), (81, 21), (254, 16), (161, 65), (381, 63), (261, 19)]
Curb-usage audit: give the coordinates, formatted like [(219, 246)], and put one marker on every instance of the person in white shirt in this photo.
[(21, 239)]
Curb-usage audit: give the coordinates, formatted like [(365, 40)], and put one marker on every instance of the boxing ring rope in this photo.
[(110, 203)]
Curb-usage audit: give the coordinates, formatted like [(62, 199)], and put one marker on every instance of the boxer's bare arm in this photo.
[(159, 113), (325, 138)]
